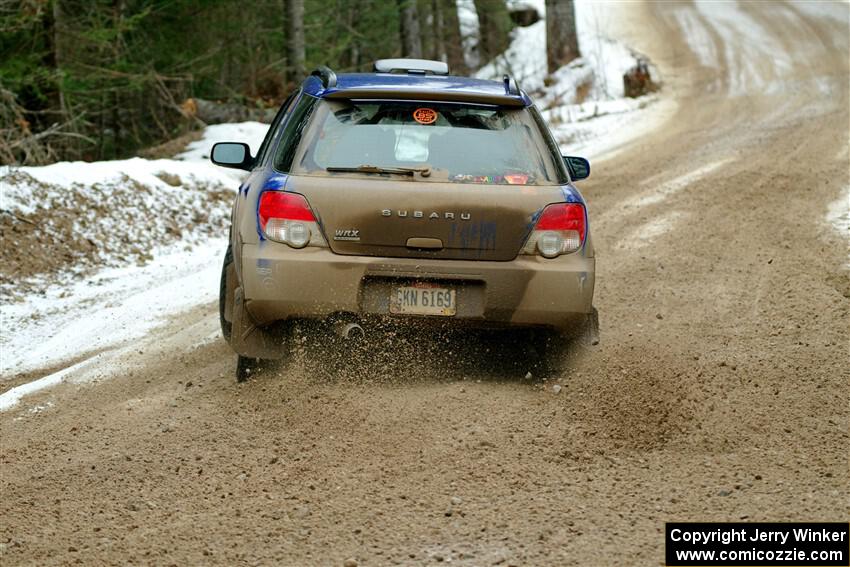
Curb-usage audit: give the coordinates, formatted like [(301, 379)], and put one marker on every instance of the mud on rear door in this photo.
[(371, 215)]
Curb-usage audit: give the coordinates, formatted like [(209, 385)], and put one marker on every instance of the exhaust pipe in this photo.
[(349, 331)]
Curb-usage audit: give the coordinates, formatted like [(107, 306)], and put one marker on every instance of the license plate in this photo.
[(422, 300)]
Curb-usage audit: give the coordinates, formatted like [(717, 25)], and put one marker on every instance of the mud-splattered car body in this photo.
[(412, 195)]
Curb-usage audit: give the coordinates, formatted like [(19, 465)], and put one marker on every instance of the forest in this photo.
[(104, 79)]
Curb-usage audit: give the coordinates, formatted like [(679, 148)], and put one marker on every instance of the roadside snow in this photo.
[(583, 101), (110, 308), (192, 165), (63, 221), (252, 133), (603, 61), (118, 205)]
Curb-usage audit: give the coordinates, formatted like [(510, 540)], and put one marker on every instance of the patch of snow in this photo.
[(109, 213), (646, 233), (583, 100), (838, 215), (192, 165), (11, 397), (251, 133), (659, 190), (603, 61), (525, 58), (838, 11), (699, 38), (113, 307), (597, 128), (746, 75), (668, 188), (468, 22)]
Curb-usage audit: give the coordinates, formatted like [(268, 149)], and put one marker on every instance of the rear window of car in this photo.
[(459, 143)]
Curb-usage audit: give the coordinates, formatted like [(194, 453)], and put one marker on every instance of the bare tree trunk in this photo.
[(438, 51), (284, 48), (453, 38), (353, 22), (60, 37), (411, 39), (561, 38), (494, 26), (295, 25)]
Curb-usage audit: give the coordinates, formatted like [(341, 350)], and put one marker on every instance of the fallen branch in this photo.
[(212, 112), (16, 217)]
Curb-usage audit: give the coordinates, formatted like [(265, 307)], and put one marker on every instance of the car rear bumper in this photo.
[(282, 283)]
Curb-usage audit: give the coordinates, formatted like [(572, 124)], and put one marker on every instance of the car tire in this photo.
[(226, 326), (246, 367)]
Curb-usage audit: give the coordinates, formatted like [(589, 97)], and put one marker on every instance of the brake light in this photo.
[(287, 217), (560, 229)]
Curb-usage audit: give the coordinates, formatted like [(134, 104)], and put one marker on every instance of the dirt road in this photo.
[(719, 391)]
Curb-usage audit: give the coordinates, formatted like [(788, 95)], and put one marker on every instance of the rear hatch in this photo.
[(368, 215)]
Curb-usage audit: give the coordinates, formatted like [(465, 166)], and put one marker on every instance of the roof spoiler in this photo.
[(326, 75), (411, 66)]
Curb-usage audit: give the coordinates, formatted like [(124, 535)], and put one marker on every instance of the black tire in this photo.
[(246, 367), (226, 326)]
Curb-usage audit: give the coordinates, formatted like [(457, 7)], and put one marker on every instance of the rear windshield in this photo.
[(458, 143)]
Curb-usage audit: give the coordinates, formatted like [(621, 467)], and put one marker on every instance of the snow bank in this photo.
[(110, 308), (64, 219), (582, 101), (106, 251), (601, 67), (61, 178)]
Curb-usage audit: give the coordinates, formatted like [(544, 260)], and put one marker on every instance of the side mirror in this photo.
[(578, 167), (232, 154)]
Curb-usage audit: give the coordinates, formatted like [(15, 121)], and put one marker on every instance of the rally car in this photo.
[(406, 194)]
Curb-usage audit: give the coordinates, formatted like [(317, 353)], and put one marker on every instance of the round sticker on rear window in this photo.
[(425, 115)]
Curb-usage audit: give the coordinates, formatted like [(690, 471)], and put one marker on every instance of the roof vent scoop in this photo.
[(411, 66), (511, 86), (326, 75)]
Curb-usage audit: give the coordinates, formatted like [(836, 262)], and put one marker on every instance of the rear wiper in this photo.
[(423, 171)]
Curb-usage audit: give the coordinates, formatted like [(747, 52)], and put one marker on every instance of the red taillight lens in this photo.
[(284, 206), (563, 216), (286, 217), (560, 229)]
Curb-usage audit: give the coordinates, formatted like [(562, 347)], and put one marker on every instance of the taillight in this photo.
[(559, 230), (287, 217)]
